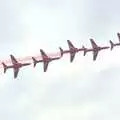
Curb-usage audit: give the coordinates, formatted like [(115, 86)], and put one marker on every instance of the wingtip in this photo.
[(11, 55), (15, 77), (68, 40), (41, 50), (45, 70), (91, 39), (94, 59), (71, 61), (118, 34)]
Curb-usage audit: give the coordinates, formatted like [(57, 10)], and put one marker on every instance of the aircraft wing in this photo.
[(43, 53), (16, 70), (95, 53), (72, 56), (45, 65), (14, 61), (94, 45), (70, 44)]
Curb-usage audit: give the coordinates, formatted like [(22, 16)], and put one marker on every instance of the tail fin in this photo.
[(4, 66), (34, 61), (61, 51), (85, 50), (112, 44)]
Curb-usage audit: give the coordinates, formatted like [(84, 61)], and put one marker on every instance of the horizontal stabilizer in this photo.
[(85, 50), (4, 66), (34, 61), (61, 51), (112, 44)]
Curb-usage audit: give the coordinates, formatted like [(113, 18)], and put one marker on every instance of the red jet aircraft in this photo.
[(95, 48), (115, 44), (16, 65), (45, 59), (72, 50)]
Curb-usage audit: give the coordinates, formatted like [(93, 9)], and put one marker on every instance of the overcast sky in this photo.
[(82, 90)]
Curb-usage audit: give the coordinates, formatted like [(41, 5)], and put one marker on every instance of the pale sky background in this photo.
[(82, 90)]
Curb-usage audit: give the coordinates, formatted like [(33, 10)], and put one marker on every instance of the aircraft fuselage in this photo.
[(48, 59), (96, 49), (117, 44), (102, 48), (81, 49), (18, 65), (73, 50)]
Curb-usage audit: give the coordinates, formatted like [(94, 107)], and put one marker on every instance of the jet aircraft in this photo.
[(72, 50), (16, 66), (95, 48), (115, 44), (45, 59)]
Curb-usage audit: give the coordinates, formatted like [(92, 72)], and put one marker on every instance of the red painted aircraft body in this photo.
[(72, 50), (95, 49), (16, 66), (45, 59)]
